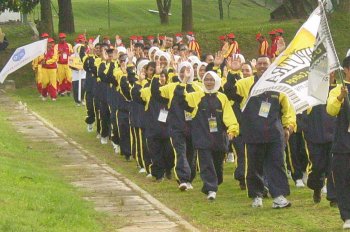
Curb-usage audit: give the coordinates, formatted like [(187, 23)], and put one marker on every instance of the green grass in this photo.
[(230, 212), (33, 196)]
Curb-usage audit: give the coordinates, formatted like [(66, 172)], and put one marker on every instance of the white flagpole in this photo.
[(79, 86)]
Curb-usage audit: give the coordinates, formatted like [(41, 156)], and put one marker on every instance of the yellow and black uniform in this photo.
[(180, 126), (157, 132), (319, 135), (92, 108), (213, 118), (262, 128), (341, 149)]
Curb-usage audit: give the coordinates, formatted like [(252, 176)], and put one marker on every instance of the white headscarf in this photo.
[(141, 65), (151, 50), (194, 60), (217, 82), (166, 56), (199, 67), (240, 56), (121, 49), (183, 65)]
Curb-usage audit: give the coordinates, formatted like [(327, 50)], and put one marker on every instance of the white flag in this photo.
[(97, 40), (289, 72), (23, 56), (324, 61)]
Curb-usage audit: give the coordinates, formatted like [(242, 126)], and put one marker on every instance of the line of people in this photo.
[(174, 113)]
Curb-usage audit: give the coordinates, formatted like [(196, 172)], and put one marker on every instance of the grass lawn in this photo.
[(230, 212), (33, 195)]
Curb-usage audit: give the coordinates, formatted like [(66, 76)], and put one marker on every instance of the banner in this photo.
[(23, 56), (289, 72)]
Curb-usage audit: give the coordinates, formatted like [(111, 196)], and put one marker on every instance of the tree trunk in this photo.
[(298, 8), (221, 10), (65, 16), (187, 20), (46, 23), (164, 9)]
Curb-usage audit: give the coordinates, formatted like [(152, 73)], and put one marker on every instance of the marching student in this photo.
[(263, 45), (37, 67), (267, 122), (273, 47), (319, 135), (90, 63), (64, 73), (193, 44), (233, 46), (180, 126), (213, 124), (338, 105), (49, 71)]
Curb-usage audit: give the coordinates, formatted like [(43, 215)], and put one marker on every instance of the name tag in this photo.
[(188, 116), (163, 115), (213, 124), (64, 56), (264, 109)]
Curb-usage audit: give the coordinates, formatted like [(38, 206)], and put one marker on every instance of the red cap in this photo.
[(133, 37), (50, 40), (258, 36), (222, 37), (190, 33), (178, 35), (91, 39), (61, 35), (279, 30), (150, 37), (139, 38), (44, 35), (231, 36), (106, 37), (273, 32), (161, 37)]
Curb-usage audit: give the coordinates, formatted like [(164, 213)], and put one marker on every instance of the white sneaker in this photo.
[(211, 195), (90, 127), (305, 177), (257, 202), (53, 99), (104, 140), (324, 190), (83, 103), (117, 149), (149, 176), (299, 183), (43, 98), (280, 202), (346, 225), (142, 170), (230, 158), (98, 136), (183, 186), (189, 186)]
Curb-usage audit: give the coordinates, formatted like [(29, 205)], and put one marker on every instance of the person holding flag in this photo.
[(338, 105)]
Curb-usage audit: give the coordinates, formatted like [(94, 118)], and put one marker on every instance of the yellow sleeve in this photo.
[(54, 57), (243, 88), (70, 49), (193, 99), (333, 104), (289, 119), (229, 116), (165, 91), (146, 94)]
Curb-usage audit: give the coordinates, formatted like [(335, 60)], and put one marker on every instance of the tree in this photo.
[(228, 4), (294, 9), (164, 9), (65, 16), (187, 20), (46, 23), (23, 6), (221, 10)]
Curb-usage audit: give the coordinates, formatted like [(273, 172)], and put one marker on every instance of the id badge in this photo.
[(188, 116), (213, 125), (163, 115), (64, 56), (264, 109)]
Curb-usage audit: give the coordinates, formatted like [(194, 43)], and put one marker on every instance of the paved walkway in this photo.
[(110, 191)]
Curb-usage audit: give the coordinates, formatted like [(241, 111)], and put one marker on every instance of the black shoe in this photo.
[(317, 196), (333, 204), (242, 185), (168, 175), (68, 94), (128, 158)]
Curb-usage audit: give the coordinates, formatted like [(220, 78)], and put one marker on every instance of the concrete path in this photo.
[(110, 191)]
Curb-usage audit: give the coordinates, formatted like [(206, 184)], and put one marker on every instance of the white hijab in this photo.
[(186, 65), (217, 82)]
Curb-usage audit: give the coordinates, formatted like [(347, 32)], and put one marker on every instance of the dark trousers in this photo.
[(75, 85), (146, 157), (89, 99), (124, 133), (211, 169), (162, 155), (112, 102), (297, 159), (341, 175), (105, 115), (185, 158), (266, 160), (238, 145), (321, 160), (133, 146)]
